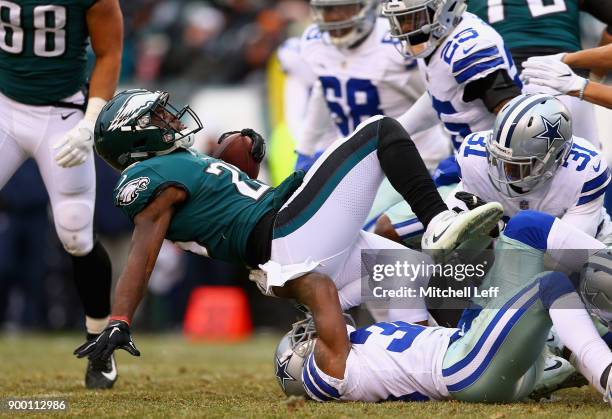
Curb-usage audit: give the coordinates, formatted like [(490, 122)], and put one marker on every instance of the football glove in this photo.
[(305, 162), (76, 145), (545, 75), (258, 149), (115, 336)]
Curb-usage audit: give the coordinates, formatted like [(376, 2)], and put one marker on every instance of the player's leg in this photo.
[(322, 218), (508, 341), (72, 195), (12, 153), (354, 287)]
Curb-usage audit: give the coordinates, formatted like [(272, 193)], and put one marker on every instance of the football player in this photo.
[(531, 160), (360, 75), (536, 27), (469, 74), (48, 115), (497, 360), (209, 207)]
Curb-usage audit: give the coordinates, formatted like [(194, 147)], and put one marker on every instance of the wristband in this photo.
[(581, 94), (121, 318), (94, 107)]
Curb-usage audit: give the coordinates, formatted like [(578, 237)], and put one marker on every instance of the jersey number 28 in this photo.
[(49, 29)]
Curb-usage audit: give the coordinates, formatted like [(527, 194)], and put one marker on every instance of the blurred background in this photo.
[(220, 57)]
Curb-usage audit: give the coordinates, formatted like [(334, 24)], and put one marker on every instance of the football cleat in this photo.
[(448, 229), (558, 374), (101, 373)]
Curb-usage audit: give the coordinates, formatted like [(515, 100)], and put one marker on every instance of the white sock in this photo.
[(95, 326), (578, 333)]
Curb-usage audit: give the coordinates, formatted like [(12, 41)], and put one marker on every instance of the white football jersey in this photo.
[(387, 361), (370, 79), (574, 194), (472, 51)]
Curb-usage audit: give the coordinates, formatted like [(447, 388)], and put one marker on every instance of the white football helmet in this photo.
[(420, 25), (346, 21)]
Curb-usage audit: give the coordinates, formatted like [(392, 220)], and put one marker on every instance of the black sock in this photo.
[(92, 277), (404, 167), (603, 380)]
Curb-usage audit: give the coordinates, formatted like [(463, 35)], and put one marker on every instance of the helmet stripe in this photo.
[(511, 114)]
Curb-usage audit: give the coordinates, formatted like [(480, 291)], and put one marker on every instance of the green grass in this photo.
[(176, 378)]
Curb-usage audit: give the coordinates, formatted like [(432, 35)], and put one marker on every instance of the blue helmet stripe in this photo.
[(506, 116), (518, 118)]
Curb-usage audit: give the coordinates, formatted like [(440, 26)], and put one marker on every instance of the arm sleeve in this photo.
[(420, 116), (585, 217), (600, 9), (318, 127), (492, 89)]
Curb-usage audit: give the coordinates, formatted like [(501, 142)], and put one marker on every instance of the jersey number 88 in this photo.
[(49, 33)]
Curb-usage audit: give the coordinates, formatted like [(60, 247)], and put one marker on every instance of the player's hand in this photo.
[(258, 149), (550, 76), (115, 336), (75, 146)]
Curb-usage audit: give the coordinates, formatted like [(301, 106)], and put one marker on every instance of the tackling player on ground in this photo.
[(48, 115), (497, 360), (209, 207)]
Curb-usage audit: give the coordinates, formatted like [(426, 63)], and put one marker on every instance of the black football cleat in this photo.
[(101, 374)]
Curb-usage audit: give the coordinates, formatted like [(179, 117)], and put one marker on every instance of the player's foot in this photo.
[(558, 374), (448, 229), (608, 393), (101, 374)]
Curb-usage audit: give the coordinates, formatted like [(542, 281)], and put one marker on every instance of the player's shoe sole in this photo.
[(454, 231), (557, 375), (101, 374)]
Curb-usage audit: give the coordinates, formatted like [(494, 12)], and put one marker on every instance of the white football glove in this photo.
[(545, 75), (75, 146)]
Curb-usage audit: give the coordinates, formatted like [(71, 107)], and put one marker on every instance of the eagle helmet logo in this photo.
[(133, 107)]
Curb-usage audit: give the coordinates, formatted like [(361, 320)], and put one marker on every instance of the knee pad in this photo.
[(531, 228), (74, 226)]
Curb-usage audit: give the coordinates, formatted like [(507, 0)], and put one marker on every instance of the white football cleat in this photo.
[(448, 229), (558, 374)]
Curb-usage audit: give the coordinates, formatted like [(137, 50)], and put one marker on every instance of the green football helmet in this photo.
[(138, 124)]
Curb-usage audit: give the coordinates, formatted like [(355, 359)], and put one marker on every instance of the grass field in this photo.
[(175, 378)]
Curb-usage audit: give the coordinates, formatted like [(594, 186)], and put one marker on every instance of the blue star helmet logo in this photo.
[(551, 131), (281, 371)]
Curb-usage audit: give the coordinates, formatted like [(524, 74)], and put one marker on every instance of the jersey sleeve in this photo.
[(138, 187), (476, 57), (585, 214)]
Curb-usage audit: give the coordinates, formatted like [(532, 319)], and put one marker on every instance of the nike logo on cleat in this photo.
[(64, 117), (112, 374), (554, 367), (437, 236)]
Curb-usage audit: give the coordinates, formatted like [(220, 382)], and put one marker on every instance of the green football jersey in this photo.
[(43, 49), (222, 208), (532, 23)]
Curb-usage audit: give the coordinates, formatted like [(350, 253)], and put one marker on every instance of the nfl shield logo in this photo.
[(524, 205)]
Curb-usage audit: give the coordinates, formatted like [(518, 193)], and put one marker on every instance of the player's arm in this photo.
[(495, 90), (600, 57), (602, 11), (105, 26), (150, 229), (420, 116), (318, 292)]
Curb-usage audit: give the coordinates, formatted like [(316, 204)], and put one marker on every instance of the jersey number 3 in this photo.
[(49, 29)]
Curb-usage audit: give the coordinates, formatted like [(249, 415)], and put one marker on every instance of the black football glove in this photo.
[(115, 336), (258, 149)]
